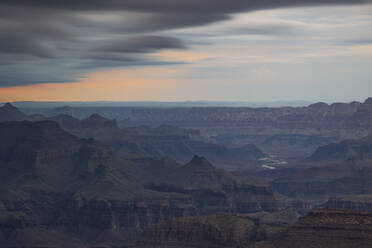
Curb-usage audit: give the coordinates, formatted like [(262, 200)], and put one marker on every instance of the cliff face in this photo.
[(326, 228), (337, 115), (288, 132), (350, 202), (331, 228), (221, 230), (61, 191), (203, 231)]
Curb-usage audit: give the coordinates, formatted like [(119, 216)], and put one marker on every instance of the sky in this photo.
[(185, 50)]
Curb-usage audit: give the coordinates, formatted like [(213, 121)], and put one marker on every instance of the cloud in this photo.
[(57, 41), (181, 6), (268, 29), (356, 42), (141, 44)]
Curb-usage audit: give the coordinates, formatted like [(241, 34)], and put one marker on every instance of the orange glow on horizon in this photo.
[(181, 56), (134, 84), (115, 85)]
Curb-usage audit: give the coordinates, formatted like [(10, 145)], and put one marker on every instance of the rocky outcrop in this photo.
[(330, 228)]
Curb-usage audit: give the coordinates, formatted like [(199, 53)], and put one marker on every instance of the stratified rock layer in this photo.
[(331, 228), (351, 202), (220, 230), (202, 231)]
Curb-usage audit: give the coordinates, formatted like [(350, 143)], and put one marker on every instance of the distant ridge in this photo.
[(162, 104), (96, 121), (10, 113)]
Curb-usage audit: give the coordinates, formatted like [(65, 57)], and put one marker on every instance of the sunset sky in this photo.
[(177, 50)]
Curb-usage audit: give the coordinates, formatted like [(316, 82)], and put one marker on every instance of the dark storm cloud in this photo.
[(181, 6), (141, 44), (39, 41), (112, 62), (129, 51), (17, 44), (44, 38), (274, 29)]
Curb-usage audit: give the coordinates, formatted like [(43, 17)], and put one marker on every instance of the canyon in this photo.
[(189, 177), (56, 185)]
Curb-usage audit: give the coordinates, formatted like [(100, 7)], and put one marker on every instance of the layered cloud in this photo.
[(60, 41)]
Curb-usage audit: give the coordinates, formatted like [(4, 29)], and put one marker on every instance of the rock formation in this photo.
[(221, 230), (202, 231), (61, 191), (163, 141), (10, 113), (97, 121), (345, 150), (336, 169), (301, 129), (331, 228), (350, 202), (326, 228)]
